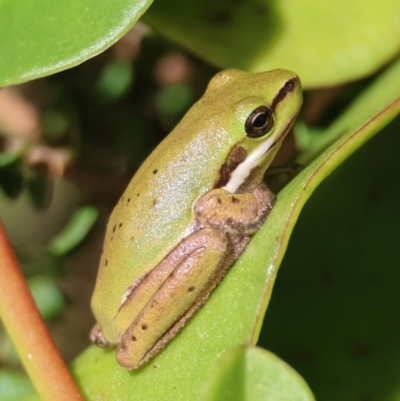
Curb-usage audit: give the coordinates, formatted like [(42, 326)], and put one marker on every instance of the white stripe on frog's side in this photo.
[(243, 170)]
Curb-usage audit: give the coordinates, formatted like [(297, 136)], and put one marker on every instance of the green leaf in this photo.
[(173, 99), (41, 37), (47, 295), (7, 159), (114, 80), (253, 374), (40, 190), (384, 90), (11, 179), (325, 42), (13, 385), (76, 230)]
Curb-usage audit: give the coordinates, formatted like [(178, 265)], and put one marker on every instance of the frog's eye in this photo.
[(259, 122)]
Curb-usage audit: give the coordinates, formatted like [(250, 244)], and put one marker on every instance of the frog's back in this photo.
[(156, 211)]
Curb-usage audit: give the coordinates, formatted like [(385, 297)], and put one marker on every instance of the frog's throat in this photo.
[(244, 169)]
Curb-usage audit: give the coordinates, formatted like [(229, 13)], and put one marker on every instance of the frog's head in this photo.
[(257, 111)]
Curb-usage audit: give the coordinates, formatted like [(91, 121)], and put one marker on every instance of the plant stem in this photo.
[(31, 338)]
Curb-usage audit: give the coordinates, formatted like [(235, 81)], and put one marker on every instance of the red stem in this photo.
[(29, 333)]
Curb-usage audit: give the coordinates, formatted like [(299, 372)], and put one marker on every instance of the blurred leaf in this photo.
[(11, 179), (173, 99), (386, 88), (172, 102), (76, 230), (40, 190), (324, 42), (7, 159), (54, 125), (8, 353), (41, 37), (13, 385), (47, 295), (306, 136), (253, 374), (114, 80)]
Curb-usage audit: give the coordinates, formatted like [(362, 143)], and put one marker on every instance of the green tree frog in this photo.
[(190, 211)]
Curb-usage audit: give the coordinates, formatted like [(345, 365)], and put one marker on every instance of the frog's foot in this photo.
[(96, 337)]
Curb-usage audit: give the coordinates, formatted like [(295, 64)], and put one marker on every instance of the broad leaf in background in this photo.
[(325, 42), (385, 89), (234, 313), (41, 37), (253, 374)]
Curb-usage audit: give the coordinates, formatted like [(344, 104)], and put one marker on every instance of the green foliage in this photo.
[(74, 233), (253, 374), (47, 295), (42, 37), (13, 385), (115, 80), (324, 42)]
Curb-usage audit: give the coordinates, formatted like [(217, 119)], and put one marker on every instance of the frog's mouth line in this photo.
[(242, 171), (284, 132)]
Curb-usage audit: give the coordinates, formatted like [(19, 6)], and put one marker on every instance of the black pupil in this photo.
[(260, 120)]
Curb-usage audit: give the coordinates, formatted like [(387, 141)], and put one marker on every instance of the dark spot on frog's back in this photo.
[(236, 156), (155, 171), (192, 288), (234, 199), (120, 225), (145, 326)]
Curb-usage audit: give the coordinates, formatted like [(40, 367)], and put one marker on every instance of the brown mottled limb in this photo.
[(29, 333), (198, 265), (235, 214)]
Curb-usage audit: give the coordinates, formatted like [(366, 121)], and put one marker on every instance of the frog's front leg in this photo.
[(235, 214)]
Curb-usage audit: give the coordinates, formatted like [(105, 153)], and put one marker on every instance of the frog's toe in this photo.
[(97, 337)]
